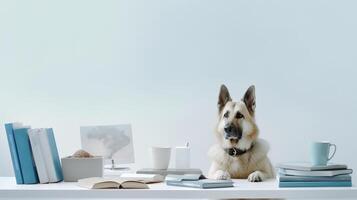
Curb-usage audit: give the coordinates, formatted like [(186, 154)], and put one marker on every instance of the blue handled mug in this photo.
[(320, 152)]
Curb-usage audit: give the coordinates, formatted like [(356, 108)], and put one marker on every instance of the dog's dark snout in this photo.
[(228, 129), (232, 132)]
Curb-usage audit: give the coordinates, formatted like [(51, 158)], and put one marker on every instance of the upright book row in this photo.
[(34, 154)]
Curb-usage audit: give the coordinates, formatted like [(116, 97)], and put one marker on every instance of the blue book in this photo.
[(316, 184), (13, 151), (27, 163), (55, 156), (284, 178), (203, 183)]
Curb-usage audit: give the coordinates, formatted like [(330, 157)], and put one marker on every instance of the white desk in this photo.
[(243, 189)]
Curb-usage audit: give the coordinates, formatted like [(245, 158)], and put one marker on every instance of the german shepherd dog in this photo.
[(238, 152)]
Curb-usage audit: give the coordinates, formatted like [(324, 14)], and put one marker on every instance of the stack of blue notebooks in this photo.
[(34, 154), (307, 175)]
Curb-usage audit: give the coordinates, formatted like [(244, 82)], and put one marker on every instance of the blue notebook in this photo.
[(316, 184), (27, 163), (338, 178), (54, 153), (196, 181), (13, 151), (203, 183)]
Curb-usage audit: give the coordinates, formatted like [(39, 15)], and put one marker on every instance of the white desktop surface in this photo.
[(242, 189)]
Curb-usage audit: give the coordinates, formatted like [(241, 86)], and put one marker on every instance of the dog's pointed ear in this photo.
[(249, 99), (223, 97)]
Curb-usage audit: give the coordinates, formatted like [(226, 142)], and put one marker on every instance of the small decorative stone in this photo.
[(82, 154)]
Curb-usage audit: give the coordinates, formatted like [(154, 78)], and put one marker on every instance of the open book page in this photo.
[(145, 178), (111, 183)]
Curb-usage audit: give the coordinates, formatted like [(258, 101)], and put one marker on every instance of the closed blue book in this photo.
[(55, 156), (27, 163), (203, 183), (13, 151), (316, 184), (338, 178)]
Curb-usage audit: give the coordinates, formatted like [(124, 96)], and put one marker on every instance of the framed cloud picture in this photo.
[(113, 142)]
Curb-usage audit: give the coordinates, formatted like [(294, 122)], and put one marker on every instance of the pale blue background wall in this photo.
[(159, 65)]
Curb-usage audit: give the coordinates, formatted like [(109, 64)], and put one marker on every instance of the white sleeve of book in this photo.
[(38, 155), (46, 149)]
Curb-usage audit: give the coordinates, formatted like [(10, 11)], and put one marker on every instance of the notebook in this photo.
[(27, 163), (196, 181), (54, 155), (38, 154), (316, 184), (305, 166), (287, 178), (315, 173), (13, 150), (111, 183), (50, 154), (203, 184)]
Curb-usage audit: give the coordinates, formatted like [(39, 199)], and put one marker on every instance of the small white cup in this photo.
[(182, 157), (160, 157)]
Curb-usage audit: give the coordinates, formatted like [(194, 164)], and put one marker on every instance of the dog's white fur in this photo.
[(254, 164)]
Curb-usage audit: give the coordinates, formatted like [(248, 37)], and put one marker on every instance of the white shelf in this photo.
[(242, 189)]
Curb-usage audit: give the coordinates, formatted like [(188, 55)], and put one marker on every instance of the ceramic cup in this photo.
[(160, 157), (320, 152)]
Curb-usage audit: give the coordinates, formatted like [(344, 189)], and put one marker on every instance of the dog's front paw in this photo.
[(256, 176), (222, 175)]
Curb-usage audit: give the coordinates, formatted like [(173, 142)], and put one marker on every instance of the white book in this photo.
[(19, 125), (315, 173), (38, 155), (305, 166), (51, 171)]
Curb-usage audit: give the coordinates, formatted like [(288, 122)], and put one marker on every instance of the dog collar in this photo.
[(235, 152)]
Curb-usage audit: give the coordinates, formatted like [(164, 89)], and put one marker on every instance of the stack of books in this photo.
[(34, 154), (307, 175)]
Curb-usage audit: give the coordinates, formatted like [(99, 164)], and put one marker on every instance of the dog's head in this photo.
[(236, 123)]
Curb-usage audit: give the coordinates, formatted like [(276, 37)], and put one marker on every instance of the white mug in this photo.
[(160, 157)]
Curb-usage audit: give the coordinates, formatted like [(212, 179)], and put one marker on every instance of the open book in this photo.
[(111, 183), (145, 178)]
